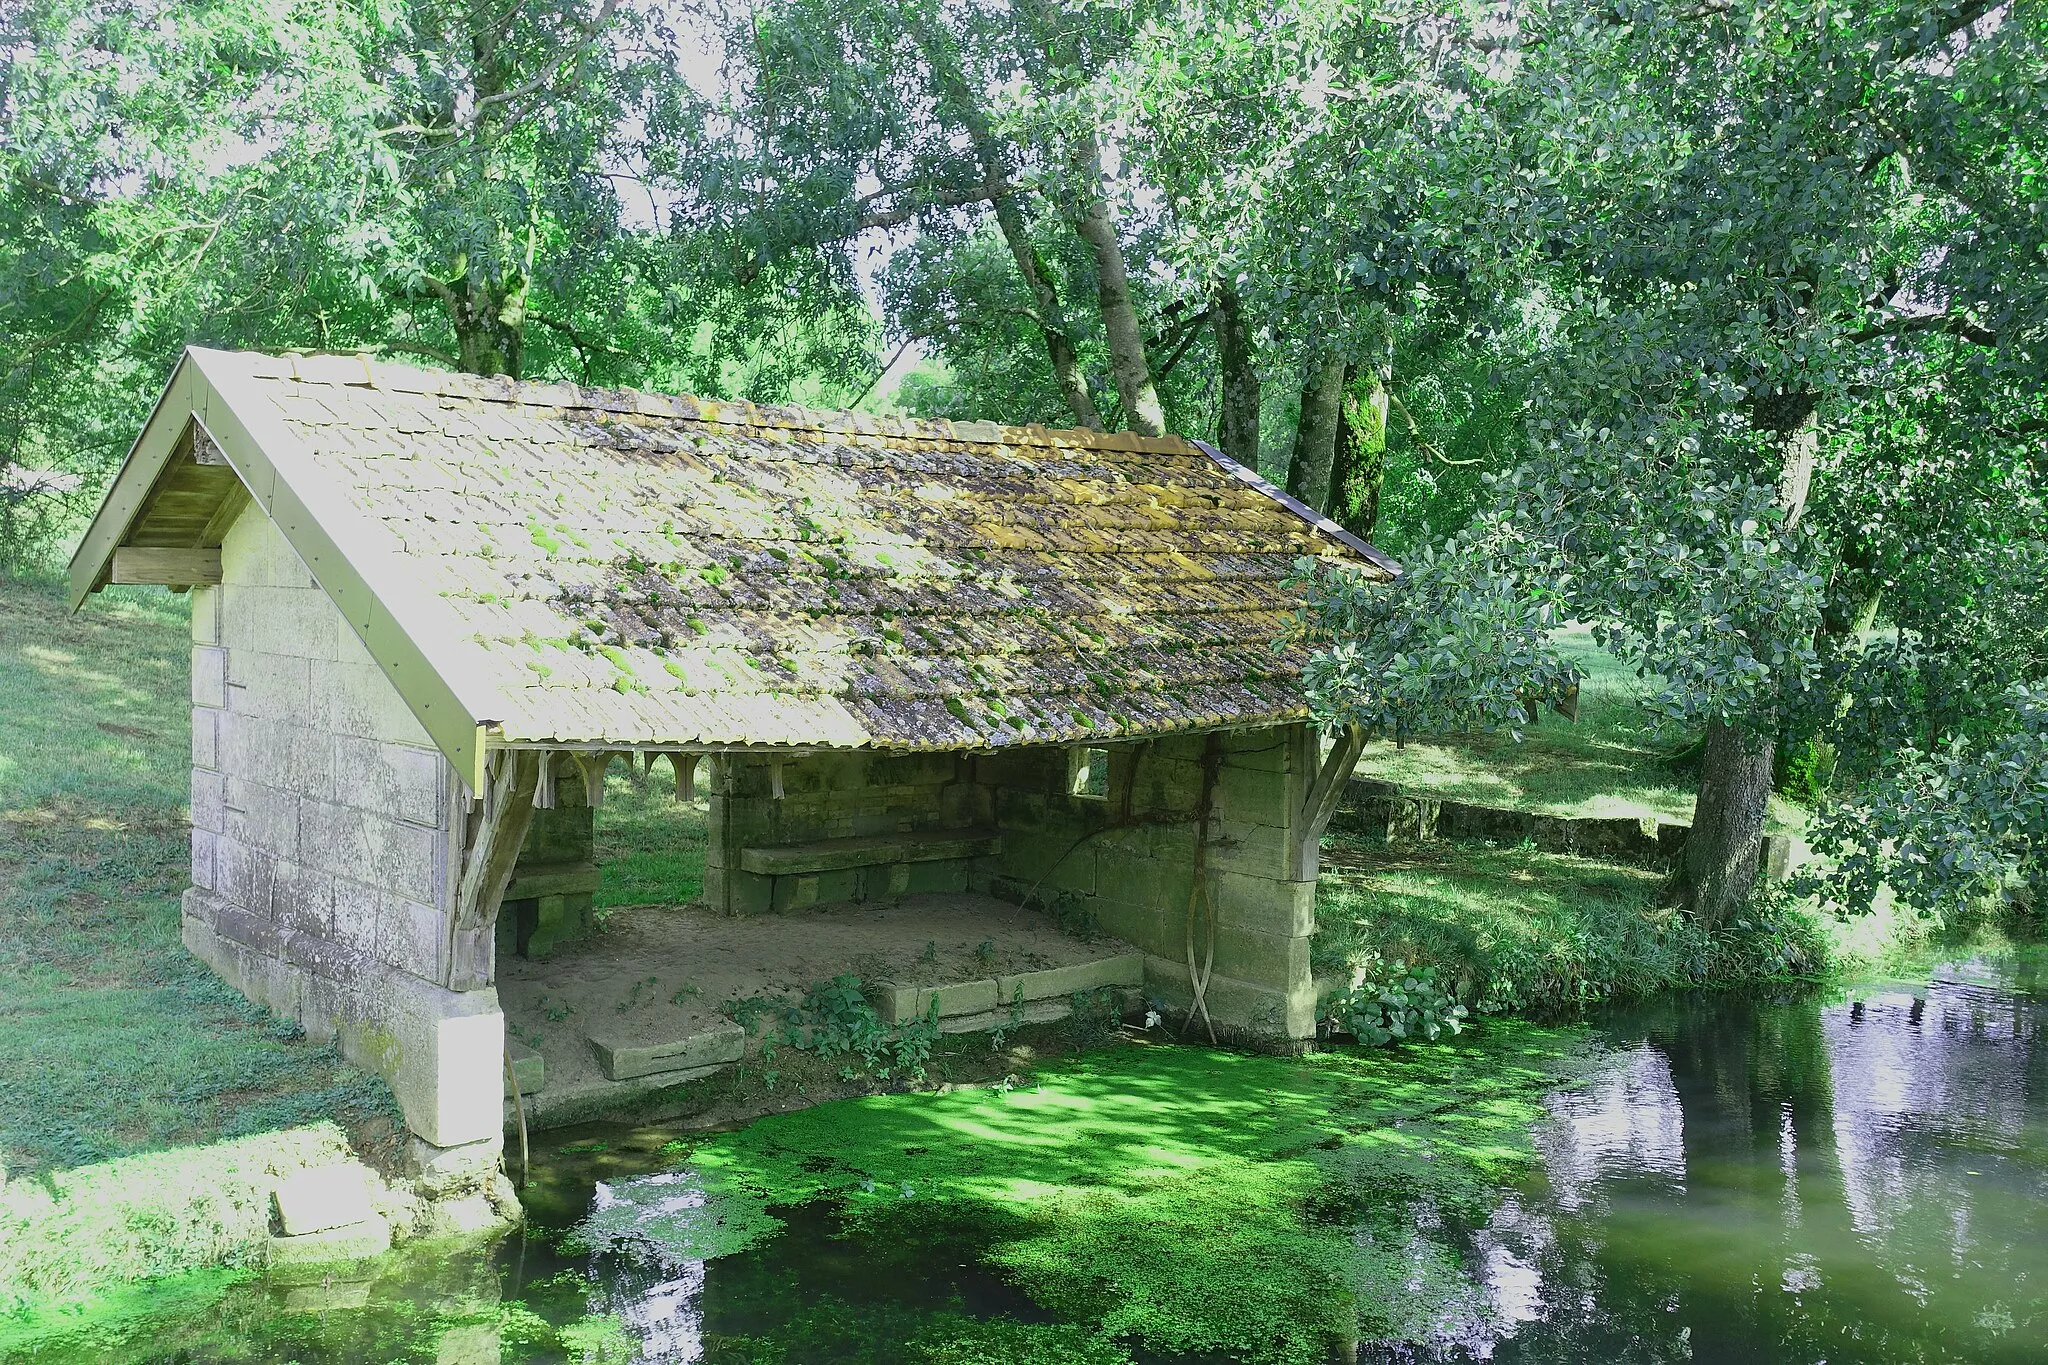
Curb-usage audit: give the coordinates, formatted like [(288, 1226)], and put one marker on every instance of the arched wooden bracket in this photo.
[(775, 780), (544, 790), (593, 766), (495, 833), (686, 775)]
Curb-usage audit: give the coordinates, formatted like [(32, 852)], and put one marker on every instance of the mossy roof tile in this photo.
[(637, 568)]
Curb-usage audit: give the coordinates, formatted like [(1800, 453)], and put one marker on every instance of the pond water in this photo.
[(1840, 1177)]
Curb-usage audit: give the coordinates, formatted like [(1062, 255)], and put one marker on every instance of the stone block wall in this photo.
[(838, 796), (325, 837), (1129, 859)]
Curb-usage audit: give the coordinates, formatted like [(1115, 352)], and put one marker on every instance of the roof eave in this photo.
[(1322, 524)]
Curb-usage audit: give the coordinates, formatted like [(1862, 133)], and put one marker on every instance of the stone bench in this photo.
[(545, 905), (838, 855)]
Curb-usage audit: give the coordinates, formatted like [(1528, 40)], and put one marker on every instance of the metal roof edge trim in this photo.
[(1321, 523), (413, 637)]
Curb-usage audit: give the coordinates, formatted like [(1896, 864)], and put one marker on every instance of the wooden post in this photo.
[(497, 831), (1324, 795)]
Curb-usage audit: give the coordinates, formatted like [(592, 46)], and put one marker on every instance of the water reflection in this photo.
[(1794, 1179), (1787, 1180)]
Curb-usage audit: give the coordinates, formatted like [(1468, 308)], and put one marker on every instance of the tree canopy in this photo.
[(1717, 324)]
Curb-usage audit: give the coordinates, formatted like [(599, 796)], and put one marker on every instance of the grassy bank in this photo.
[(113, 1039), (1522, 929), (1614, 761)]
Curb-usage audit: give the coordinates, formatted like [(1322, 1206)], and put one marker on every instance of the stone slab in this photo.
[(833, 855), (718, 1045), (553, 879), (1127, 969), (356, 1242), (322, 1198), (901, 1004)]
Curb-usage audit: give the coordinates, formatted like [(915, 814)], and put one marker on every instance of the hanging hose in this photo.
[(1199, 896), (518, 1107)]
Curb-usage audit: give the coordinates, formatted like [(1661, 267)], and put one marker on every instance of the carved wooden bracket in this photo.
[(496, 832)]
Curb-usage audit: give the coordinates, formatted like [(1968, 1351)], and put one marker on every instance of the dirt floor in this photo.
[(664, 974)]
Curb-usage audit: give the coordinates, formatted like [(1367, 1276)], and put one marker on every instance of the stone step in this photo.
[(717, 1045), (836, 855), (963, 999)]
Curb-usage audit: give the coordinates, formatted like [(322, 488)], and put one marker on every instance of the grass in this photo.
[(650, 846), (1612, 762), (1518, 928), (113, 1039)]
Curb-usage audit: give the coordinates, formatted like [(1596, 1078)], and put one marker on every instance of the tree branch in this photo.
[(1188, 332), (941, 197), (589, 31), (1928, 322)]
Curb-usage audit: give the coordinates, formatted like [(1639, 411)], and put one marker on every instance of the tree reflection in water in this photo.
[(1756, 1179)]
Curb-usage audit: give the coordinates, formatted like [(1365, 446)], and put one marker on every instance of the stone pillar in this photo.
[(1129, 858), (325, 838)]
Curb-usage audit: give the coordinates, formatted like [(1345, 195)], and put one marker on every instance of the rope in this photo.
[(1198, 895)]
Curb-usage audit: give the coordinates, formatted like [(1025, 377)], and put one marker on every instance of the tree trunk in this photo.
[(490, 326), (1052, 321), (1237, 415), (1361, 462), (1315, 433), (941, 53), (1724, 850), (1128, 364)]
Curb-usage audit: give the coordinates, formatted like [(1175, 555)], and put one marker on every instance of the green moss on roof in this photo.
[(734, 574)]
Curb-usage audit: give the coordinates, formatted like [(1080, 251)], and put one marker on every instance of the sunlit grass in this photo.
[(650, 846), (1614, 761), (1516, 927)]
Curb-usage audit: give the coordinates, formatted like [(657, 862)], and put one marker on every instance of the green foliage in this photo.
[(489, 191), (1460, 642), (1198, 1201), (1389, 1002), (1945, 829), (835, 1021)]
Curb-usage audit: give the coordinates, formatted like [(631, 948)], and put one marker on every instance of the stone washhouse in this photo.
[(897, 657)]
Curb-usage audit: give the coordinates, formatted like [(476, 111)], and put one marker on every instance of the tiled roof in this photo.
[(640, 568)]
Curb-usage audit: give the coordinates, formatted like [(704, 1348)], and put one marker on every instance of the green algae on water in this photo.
[(1190, 1199)]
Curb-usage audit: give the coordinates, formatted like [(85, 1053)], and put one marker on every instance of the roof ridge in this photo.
[(365, 369)]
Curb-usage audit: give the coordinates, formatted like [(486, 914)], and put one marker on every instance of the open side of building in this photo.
[(899, 658)]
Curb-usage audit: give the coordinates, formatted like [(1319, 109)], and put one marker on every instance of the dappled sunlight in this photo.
[(1166, 1190)]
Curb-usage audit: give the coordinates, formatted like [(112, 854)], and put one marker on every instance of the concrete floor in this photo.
[(637, 1007)]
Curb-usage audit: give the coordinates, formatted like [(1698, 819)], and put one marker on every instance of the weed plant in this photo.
[(835, 1021)]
